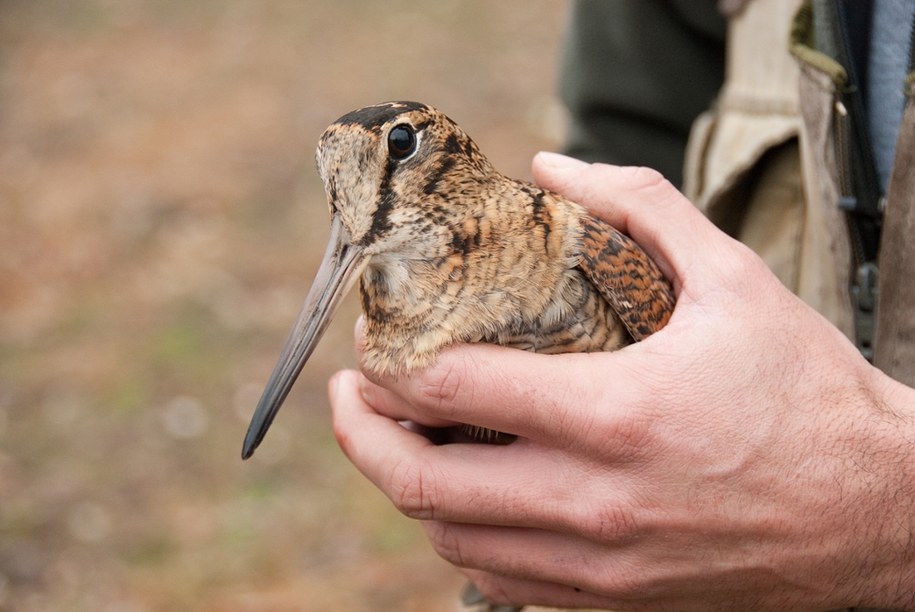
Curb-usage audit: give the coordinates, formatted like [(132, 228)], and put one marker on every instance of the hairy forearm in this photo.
[(886, 468)]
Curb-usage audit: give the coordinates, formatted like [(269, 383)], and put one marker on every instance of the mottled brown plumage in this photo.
[(449, 250)]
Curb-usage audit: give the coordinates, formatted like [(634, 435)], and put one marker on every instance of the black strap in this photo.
[(845, 27), (851, 25)]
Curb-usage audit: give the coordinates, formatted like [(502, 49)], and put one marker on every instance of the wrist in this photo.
[(885, 464)]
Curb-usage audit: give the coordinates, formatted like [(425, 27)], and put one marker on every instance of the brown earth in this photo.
[(160, 220)]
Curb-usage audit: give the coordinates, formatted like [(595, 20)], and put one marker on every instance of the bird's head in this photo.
[(390, 172), (394, 174)]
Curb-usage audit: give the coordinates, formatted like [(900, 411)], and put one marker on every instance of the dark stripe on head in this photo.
[(381, 221), (332, 193), (373, 117)]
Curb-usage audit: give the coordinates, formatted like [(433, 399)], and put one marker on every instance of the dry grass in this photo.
[(160, 220)]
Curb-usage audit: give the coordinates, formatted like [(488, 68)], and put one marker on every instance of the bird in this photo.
[(448, 250)]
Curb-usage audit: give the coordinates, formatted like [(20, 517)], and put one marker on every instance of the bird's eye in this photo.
[(401, 141)]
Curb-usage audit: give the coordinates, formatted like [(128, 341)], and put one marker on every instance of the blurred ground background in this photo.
[(160, 220)]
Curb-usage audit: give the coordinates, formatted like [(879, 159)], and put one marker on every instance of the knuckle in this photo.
[(610, 524), (438, 386), (628, 436), (413, 490), (643, 177), (632, 434), (742, 269), (569, 429)]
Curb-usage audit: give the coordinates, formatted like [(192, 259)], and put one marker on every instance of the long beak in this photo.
[(342, 265)]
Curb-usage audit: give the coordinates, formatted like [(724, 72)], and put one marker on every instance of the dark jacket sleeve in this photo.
[(635, 74)]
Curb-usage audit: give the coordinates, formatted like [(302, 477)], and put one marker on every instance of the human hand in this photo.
[(744, 457)]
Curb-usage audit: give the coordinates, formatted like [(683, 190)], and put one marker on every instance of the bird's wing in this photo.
[(627, 278)]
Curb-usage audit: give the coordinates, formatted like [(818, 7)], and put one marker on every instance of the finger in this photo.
[(639, 202), (572, 401), (518, 484), (539, 555), (374, 443), (393, 406), (520, 592), (384, 401), (455, 482), (540, 567), (552, 399)]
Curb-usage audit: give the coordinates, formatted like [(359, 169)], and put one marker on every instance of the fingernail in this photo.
[(559, 161)]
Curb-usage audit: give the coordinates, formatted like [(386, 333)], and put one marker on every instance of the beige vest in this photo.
[(762, 166)]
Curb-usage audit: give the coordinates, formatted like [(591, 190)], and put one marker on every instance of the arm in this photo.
[(745, 456)]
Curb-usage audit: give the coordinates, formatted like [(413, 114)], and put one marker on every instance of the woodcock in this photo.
[(449, 250)]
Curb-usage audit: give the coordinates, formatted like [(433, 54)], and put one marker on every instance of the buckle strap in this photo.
[(864, 307)]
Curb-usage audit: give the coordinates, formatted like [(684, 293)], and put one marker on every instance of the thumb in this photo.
[(641, 203)]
